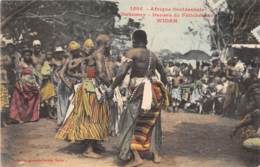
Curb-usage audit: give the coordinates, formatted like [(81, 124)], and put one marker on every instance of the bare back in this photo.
[(143, 63), (141, 59)]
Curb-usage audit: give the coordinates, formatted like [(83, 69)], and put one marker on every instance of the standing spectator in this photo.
[(25, 104), (12, 57)]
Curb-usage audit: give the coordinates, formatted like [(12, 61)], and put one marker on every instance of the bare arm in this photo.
[(62, 72), (76, 75), (228, 73), (100, 62), (247, 120), (74, 63), (161, 71), (121, 74)]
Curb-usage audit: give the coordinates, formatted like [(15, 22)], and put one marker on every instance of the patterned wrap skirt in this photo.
[(141, 129), (89, 118)]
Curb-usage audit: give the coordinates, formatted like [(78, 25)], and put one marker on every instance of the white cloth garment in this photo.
[(147, 95), (147, 92), (118, 99), (71, 105)]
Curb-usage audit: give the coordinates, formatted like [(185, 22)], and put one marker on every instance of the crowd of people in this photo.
[(90, 93), (210, 87), (93, 95), (229, 89)]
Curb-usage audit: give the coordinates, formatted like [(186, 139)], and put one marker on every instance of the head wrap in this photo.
[(37, 42), (214, 59), (73, 45), (58, 49), (9, 42), (88, 43)]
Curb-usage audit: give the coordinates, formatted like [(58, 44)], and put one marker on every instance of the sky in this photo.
[(172, 36)]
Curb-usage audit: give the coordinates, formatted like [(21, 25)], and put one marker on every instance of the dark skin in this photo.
[(60, 63), (37, 49), (140, 57), (252, 118), (3, 62), (98, 59), (101, 56), (27, 57), (7, 61), (11, 59), (74, 65), (37, 57), (26, 62), (231, 74), (86, 57), (139, 66), (10, 48)]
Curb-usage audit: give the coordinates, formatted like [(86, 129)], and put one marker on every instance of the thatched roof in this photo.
[(196, 55)]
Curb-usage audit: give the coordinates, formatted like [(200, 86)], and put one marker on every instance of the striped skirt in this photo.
[(88, 120), (146, 120), (141, 140)]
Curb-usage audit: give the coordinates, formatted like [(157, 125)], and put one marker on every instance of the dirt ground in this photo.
[(189, 140)]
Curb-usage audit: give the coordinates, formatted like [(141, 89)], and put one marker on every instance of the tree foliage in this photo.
[(58, 22), (234, 25)]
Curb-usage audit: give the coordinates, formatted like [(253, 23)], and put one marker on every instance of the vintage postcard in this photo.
[(111, 83)]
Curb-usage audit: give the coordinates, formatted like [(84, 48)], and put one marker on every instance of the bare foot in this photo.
[(4, 124), (92, 155), (135, 163), (98, 147), (156, 158)]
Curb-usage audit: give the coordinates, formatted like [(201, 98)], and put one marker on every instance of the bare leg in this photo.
[(138, 161), (90, 151), (98, 147), (156, 157)]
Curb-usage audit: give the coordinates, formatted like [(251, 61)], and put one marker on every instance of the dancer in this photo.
[(87, 118), (141, 129)]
